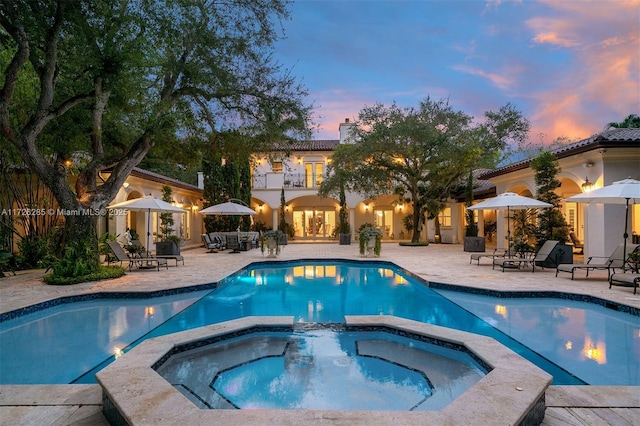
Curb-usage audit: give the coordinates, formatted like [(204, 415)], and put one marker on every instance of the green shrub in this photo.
[(32, 249), (103, 273), (79, 259)]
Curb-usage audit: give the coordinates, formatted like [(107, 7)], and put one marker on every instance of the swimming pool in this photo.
[(33, 346)]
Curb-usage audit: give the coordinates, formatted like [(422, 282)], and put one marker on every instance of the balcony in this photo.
[(286, 180)]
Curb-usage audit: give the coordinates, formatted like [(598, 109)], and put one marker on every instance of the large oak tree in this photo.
[(98, 83), (421, 153)]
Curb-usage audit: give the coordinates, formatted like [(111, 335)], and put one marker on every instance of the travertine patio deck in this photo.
[(80, 404)]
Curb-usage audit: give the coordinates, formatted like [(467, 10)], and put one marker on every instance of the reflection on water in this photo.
[(59, 345), (599, 345), (324, 370)]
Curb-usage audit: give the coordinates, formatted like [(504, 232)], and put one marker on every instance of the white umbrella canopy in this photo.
[(626, 191), (508, 201), (228, 209), (148, 204)]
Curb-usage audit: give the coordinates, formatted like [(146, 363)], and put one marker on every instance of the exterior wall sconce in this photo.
[(587, 186), (366, 207), (299, 160), (286, 207), (400, 207), (260, 207), (259, 161)]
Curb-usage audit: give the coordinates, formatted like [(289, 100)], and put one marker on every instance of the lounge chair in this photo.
[(496, 254), (628, 280), (612, 263), (141, 249), (141, 262), (576, 243), (528, 259), (144, 253)]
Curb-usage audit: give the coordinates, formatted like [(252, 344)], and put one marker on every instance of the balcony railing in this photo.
[(286, 180)]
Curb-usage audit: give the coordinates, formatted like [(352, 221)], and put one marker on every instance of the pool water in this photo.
[(80, 339), (304, 370), (599, 345)]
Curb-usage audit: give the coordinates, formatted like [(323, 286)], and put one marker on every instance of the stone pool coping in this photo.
[(134, 393)]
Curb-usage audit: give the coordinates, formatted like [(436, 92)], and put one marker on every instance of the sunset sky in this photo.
[(570, 66)]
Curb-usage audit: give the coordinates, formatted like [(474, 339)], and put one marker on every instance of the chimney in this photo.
[(200, 180), (345, 131)]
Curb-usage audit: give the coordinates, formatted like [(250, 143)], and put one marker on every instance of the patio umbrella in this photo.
[(228, 209), (147, 204), (508, 201), (626, 191)]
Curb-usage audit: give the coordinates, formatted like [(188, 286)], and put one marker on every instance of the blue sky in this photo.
[(571, 66)]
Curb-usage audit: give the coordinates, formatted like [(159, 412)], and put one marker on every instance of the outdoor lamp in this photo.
[(587, 186)]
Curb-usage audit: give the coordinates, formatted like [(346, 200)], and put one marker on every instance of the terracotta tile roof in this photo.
[(610, 138), (157, 177), (313, 145)]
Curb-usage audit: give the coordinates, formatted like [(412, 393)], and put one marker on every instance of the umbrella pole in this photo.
[(508, 229), (148, 231), (625, 235)]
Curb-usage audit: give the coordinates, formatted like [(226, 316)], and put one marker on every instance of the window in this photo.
[(276, 166), (445, 217)]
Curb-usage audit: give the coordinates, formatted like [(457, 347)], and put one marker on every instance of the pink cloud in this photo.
[(500, 80), (553, 38), (601, 82)]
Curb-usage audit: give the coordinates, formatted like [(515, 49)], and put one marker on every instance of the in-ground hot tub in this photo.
[(355, 375), (323, 368)]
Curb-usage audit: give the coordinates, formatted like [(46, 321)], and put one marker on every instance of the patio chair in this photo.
[(219, 239), (210, 245), (576, 243), (526, 259), (627, 280), (233, 243), (612, 263), (496, 254), (142, 262)]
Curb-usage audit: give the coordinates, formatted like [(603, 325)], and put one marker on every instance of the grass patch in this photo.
[(418, 244), (104, 273)]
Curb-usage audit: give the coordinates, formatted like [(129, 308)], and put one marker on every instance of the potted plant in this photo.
[(472, 242), (169, 244), (271, 240), (370, 239)]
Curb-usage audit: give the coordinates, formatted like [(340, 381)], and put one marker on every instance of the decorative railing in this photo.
[(285, 180)]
